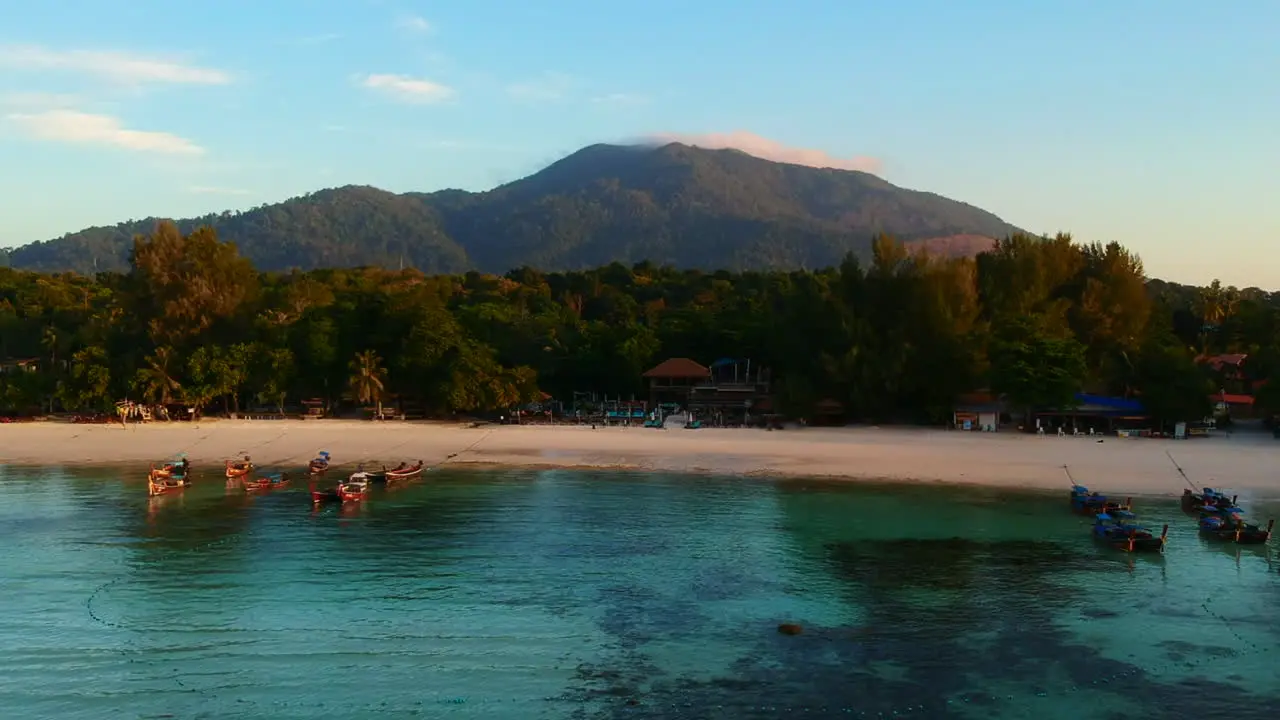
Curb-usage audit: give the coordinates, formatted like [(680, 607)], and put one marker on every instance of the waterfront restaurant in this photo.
[(1097, 413)]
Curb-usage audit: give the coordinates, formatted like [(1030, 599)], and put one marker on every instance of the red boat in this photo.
[(319, 497), (355, 489), (404, 472), (239, 469), (265, 482), (169, 477)]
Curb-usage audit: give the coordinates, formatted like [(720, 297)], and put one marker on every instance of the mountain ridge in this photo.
[(670, 204)]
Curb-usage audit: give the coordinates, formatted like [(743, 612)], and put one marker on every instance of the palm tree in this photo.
[(1215, 304), (368, 378), (155, 381)]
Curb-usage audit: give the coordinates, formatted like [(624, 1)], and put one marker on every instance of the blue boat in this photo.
[(320, 463), (1229, 525), (1121, 531), (1207, 499), (1092, 503)]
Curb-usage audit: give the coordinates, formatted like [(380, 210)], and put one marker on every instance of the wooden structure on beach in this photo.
[(724, 393), (1098, 413), (978, 411), (673, 380)]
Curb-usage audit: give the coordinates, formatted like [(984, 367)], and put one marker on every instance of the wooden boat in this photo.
[(239, 469), (169, 477), (1120, 531), (319, 497), (355, 489), (1207, 499), (403, 472), (1228, 524), (1092, 503), (320, 463), (267, 481)]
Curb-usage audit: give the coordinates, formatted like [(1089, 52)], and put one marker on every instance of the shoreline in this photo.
[(1114, 466)]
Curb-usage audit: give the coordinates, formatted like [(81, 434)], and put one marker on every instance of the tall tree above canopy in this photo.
[(1215, 304), (184, 285)]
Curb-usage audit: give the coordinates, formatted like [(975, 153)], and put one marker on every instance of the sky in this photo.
[(1153, 123)]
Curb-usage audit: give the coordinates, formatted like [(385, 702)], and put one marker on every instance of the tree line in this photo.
[(1036, 320)]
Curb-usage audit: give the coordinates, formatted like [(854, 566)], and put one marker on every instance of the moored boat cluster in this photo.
[(1115, 523), (174, 475)]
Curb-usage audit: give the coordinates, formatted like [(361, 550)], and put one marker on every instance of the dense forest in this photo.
[(678, 205), (897, 338)]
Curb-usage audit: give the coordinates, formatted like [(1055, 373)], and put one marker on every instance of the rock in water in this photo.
[(790, 629)]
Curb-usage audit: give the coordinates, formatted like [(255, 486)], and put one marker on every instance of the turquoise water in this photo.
[(598, 595)]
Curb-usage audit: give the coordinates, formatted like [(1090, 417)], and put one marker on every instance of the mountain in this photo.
[(674, 204)]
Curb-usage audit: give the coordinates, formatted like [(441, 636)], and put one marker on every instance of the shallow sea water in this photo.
[(562, 594)]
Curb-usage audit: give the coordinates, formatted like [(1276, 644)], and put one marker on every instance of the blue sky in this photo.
[(1149, 122)]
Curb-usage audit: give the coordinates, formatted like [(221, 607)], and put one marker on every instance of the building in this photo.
[(981, 411), (1236, 388), (13, 366), (672, 381), (1093, 413), (726, 393), (733, 389)]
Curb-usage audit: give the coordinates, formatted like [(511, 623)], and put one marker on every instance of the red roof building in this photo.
[(678, 369)]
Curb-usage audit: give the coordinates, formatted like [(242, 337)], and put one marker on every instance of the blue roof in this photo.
[(724, 361), (1111, 403), (1103, 516)]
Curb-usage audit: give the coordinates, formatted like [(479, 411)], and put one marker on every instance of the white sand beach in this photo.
[(1244, 462)]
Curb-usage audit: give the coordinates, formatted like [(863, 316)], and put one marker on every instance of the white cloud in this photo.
[(550, 87), (43, 101), (116, 66), (414, 23), (408, 89), (208, 190), (763, 147), (83, 128)]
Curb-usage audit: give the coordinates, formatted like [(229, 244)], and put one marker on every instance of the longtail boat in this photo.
[(319, 497), (403, 472), (355, 489), (1208, 500), (239, 468), (320, 463), (169, 477), (266, 481), (1228, 524), (1123, 533), (1092, 503)]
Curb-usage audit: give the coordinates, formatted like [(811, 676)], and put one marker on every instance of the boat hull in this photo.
[(350, 496), (161, 486), (257, 484), (403, 473), (319, 497)]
